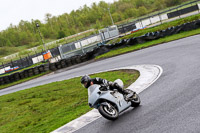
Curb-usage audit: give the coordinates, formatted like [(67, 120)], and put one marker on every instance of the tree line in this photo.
[(96, 16)]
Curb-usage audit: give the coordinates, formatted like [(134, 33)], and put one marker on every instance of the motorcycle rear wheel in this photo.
[(109, 113)]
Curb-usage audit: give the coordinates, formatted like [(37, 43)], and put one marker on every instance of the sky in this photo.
[(13, 11)]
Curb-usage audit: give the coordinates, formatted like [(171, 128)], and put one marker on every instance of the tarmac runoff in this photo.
[(148, 75)]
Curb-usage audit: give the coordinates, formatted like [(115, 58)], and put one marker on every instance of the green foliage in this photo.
[(61, 34), (97, 16)]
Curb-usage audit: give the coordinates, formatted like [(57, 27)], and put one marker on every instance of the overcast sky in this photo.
[(13, 11)]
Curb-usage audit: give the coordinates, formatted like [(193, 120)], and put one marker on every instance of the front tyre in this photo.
[(108, 111), (136, 101)]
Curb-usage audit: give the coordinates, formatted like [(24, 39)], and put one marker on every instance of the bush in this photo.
[(61, 34)]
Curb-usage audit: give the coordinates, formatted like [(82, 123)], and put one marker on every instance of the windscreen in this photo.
[(92, 88)]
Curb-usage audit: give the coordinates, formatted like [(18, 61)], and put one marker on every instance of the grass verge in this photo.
[(23, 80), (148, 44), (47, 107)]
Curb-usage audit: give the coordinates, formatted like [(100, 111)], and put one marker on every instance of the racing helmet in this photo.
[(85, 81)]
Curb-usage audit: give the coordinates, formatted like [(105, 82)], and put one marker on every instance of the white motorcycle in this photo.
[(110, 102)]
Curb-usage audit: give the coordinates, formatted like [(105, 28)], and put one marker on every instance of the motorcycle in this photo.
[(110, 103)]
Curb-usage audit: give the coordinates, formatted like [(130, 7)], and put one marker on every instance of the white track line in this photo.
[(148, 75)]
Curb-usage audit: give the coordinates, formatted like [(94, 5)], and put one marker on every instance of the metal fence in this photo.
[(79, 47)]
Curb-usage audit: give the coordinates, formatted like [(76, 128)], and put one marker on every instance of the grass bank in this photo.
[(148, 44), (47, 107)]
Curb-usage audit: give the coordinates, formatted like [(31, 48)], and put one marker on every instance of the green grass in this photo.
[(47, 107), (23, 80), (148, 44)]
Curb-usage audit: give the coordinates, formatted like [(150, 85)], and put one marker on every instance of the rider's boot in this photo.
[(130, 97)]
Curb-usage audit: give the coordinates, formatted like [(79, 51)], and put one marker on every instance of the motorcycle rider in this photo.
[(86, 81)]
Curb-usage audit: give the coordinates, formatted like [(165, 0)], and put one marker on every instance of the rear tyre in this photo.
[(136, 101), (108, 112)]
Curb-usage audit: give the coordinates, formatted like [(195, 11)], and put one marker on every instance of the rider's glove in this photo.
[(111, 84)]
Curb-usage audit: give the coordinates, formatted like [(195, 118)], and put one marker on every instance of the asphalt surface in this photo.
[(170, 105)]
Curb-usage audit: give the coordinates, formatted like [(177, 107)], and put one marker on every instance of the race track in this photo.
[(170, 105)]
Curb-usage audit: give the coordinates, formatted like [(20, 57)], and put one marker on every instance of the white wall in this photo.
[(164, 16), (155, 19), (5, 69), (146, 22), (88, 41), (56, 59), (2, 71), (37, 59), (138, 25), (77, 45)]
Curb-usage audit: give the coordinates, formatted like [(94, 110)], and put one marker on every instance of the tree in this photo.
[(61, 34), (172, 2), (142, 10), (97, 16), (48, 20)]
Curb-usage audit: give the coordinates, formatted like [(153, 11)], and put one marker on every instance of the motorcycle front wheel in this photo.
[(108, 111)]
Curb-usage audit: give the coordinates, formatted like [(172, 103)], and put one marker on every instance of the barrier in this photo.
[(68, 62), (58, 65), (30, 72), (63, 63), (6, 79), (16, 76), (183, 11), (41, 68), (52, 67), (46, 67), (26, 75), (2, 81), (21, 75), (98, 51)]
